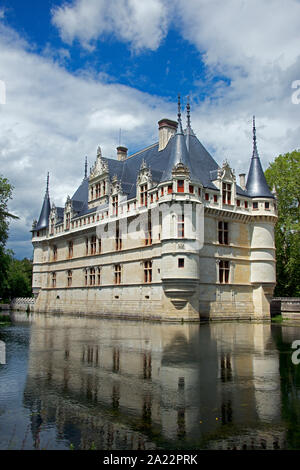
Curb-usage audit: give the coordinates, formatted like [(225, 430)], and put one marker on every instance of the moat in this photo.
[(86, 383)]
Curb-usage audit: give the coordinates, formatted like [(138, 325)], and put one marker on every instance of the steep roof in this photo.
[(43, 221), (256, 182)]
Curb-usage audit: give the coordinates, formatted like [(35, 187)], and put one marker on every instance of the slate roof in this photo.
[(184, 147), (256, 182)]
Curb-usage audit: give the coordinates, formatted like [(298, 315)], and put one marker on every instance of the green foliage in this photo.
[(18, 279), (284, 174), (15, 275)]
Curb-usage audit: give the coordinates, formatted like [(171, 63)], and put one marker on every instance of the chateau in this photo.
[(165, 234)]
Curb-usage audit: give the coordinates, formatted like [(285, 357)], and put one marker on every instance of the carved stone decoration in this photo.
[(181, 170), (226, 172), (100, 166), (115, 185), (144, 175)]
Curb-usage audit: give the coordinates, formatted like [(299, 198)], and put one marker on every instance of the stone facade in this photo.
[(138, 242)]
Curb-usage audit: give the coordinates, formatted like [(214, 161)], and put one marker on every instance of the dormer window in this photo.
[(68, 217), (143, 195), (115, 205), (226, 193)]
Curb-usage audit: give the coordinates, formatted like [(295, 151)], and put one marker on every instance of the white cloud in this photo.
[(142, 24), (52, 119)]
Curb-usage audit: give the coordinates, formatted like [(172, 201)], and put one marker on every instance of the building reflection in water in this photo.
[(113, 384)]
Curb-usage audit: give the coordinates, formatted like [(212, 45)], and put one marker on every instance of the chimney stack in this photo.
[(122, 152), (166, 129), (243, 180)]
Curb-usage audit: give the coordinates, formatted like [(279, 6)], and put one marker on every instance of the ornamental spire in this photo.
[(179, 128), (255, 151), (47, 185), (188, 113), (85, 168)]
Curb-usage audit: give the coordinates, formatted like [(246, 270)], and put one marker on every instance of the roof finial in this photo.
[(47, 186), (188, 113), (255, 153), (85, 168), (179, 128)]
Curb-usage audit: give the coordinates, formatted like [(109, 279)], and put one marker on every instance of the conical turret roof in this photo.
[(256, 182), (43, 221)]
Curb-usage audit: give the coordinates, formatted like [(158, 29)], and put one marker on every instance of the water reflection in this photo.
[(112, 384)]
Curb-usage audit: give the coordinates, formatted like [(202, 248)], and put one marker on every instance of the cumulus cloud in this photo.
[(52, 119), (142, 24)]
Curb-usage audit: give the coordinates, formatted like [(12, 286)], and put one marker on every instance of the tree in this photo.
[(284, 175), (5, 256)]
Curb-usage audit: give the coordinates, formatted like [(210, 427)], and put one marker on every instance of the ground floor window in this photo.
[(148, 271), (223, 272)]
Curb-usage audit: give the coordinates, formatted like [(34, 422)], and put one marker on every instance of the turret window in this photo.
[(180, 186), (267, 205), (170, 189), (180, 226), (255, 205), (180, 262), (191, 189)]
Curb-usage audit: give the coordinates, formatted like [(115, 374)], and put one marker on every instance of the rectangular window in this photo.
[(54, 253), (151, 198), (162, 191), (224, 272), (148, 271), (70, 249), (206, 196), (255, 205), (53, 279), (223, 233), (85, 277), (170, 189), (98, 276), (215, 198), (180, 262), (226, 193), (69, 278), (86, 246), (92, 276), (148, 238), (99, 245), (118, 239), (246, 204), (191, 189), (267, 205), (180, 186), (117, 274), (238, 202), (180, 226), (93, 245)]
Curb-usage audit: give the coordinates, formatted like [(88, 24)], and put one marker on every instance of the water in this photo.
[(85, 383)]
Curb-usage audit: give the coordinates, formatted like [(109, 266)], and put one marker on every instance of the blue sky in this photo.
[(76, 72)]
